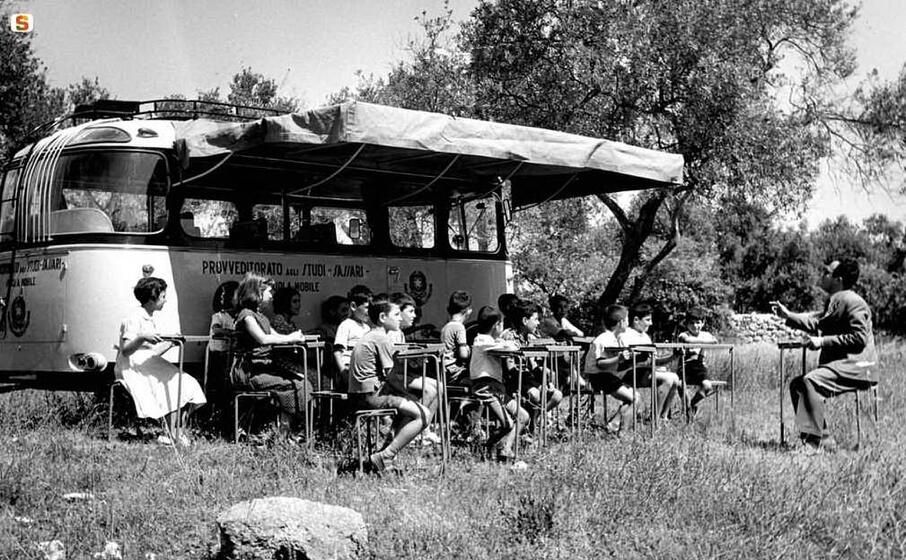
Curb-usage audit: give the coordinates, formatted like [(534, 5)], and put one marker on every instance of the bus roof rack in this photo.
[(171, 109)]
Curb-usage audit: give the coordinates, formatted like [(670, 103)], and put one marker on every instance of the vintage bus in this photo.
[(202, 193)]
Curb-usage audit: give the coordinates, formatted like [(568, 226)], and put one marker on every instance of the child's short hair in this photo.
[(487, 317), (380, 304), (556, 300), (401, 299), (695, 314), (359, 294), (148, 288), (506, 301), (223, 296), (460, 300), (613, 315), (522, 309), (331, 304), (638, 311)]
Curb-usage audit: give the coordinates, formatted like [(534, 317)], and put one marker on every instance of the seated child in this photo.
[(696, 372), (637, 333), (370, 362), (524, 317), (350, 331), (223, 322), (287, 304), (505, 303), (486, 373), (334, 310), (453, 337), (602, 363), (413, 382), (557, 326)]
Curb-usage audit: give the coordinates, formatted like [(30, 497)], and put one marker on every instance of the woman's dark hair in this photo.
[(248, 295), (283, 300), (148, 288), (223, 296)]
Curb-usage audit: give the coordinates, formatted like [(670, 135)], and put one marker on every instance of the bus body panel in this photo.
[(76, 296)]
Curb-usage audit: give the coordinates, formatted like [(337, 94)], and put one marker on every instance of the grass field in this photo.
[(710, 490)]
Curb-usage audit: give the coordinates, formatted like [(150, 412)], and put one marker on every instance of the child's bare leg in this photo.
[(428, 388), (627, 397), (506, 443), (411, 419), (667, 383), (554, 397), (705, 390)]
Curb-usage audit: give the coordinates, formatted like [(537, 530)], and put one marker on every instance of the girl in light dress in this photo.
[(158, 388)]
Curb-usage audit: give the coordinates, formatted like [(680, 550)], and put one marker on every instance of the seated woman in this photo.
[(269, 370), (287, 304), (153, 382)]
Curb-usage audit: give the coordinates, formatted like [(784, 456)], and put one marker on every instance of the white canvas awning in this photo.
[(356, 138)]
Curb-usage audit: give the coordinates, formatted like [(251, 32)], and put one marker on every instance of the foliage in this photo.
[(556, 251), (688, 279), (698, 78), (26, 98)]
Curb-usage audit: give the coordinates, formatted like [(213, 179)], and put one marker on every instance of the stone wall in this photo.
[(760, 327)]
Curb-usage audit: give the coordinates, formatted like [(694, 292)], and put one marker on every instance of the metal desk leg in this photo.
[(655, 409), (732, 393), (781, 398), (634, 392), (519, 365)]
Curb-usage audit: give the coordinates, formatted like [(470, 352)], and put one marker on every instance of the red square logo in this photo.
[(21, 23)]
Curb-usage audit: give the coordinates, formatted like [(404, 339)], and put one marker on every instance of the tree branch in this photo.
[(616, 210)]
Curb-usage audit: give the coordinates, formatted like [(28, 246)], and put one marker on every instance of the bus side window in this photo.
[(412, 226), (272, 214), (473, 225), (343, 222), (8, 204), (211, 218)]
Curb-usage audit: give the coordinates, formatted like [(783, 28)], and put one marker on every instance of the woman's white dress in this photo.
[(152, 381)]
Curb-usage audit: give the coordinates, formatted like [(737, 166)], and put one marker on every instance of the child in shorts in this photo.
[(696, 372), (453, 337), (524, 317), (351, 330), (486, 373), (640, 321), (413, 382), (370, 362), (602, 366)]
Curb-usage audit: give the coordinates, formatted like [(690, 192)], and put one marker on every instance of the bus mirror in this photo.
[(507, 211), (355, 228)]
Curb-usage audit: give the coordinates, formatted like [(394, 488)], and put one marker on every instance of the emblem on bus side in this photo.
[(19, 316), (418, 287)]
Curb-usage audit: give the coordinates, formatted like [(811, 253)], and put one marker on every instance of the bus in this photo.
[(202, 193)]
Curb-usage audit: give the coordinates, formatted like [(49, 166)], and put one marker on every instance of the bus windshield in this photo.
[(108, 191)]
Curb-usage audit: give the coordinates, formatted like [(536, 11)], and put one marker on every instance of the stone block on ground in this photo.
[(291, 529)]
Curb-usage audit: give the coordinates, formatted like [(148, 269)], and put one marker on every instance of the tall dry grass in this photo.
[(714, 489)]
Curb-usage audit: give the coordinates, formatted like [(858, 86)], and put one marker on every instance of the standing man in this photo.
[(843, 335)]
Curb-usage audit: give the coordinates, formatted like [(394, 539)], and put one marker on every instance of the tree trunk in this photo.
[(635, 233)]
